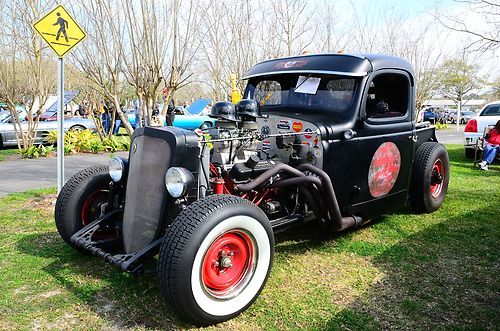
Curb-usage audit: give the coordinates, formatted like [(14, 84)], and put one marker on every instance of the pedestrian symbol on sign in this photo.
[(59, 30), (63, 25)]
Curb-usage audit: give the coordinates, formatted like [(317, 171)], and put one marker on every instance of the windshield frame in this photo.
[(289, 80)]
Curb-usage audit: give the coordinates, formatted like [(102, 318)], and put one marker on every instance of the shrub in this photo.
[(125, 143), (30, 152), (440, 126), (80, 140), (69, 149), (45, 150), (85, 141), (96, 146), (36, 151), (51, 137), (111, 144)]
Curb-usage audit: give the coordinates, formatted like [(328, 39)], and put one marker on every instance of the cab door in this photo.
[(382, 150)]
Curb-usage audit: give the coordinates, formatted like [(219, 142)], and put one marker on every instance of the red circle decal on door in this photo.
[(384, 169)]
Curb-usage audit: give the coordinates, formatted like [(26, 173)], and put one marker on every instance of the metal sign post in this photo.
[(60, 125), (61, 32)]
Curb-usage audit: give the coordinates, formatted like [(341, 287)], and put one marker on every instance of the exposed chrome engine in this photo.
[(245, 145), (243, 138)]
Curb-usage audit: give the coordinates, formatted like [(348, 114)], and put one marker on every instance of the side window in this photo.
[(493, 110), (388, 96), (340, 93), (268, 92)]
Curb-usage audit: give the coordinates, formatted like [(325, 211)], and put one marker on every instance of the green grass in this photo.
[(5, 152), (401, 271)]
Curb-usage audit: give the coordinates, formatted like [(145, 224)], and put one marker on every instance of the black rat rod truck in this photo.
[(326, 139)]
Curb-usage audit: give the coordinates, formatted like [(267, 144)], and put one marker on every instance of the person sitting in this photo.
[(492, 147)]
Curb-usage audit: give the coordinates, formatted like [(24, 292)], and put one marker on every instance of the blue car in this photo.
[(429, 116), (183, 118)]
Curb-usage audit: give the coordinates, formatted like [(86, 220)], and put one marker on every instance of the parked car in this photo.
[(448, 113), (183, 119), (434, 114), (8, 135), (429, 116), (488, 116), (327, 140), (465, 116), (50, 114), (5, 113)]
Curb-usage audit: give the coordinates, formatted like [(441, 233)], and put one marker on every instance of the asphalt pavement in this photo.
[(20, 175), (450, 135)]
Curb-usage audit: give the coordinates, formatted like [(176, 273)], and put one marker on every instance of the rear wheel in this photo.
[(430, 177), (216, 258), (77, 128), (81, 200)]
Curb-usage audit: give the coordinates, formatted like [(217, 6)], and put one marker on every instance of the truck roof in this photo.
[(356, 65)]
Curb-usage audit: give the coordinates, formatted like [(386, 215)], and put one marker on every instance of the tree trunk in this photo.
[(123, 117)]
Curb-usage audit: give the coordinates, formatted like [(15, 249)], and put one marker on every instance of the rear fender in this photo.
[(425, 134)]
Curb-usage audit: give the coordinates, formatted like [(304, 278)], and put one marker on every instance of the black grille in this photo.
[(149, 160)]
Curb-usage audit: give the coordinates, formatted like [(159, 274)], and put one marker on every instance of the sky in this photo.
[(421, 12)]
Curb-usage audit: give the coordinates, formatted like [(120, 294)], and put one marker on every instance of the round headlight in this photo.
[(178, 181), (116, 167)]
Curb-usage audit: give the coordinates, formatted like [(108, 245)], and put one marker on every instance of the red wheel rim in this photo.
[(91, 209), (228, 263), (437, 179)]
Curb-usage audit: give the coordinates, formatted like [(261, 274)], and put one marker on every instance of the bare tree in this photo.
[(294, 21), (26, 74), (101, 56), (186, 20), (485, 38), (230, 44), (332, 36), (149, 35)]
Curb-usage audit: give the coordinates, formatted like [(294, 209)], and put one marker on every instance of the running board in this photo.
[(132, 263)]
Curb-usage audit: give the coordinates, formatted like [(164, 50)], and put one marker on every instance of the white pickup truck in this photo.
[(474, 129)]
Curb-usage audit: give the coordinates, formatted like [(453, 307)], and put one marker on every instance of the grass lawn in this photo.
[(5, 152), (402, 271)]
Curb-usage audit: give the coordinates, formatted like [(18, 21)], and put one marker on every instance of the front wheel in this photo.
[(430, 177), (81, 200), (215, 258)]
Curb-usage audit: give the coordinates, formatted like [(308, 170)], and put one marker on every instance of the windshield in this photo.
[(313, 91), (4, 114)]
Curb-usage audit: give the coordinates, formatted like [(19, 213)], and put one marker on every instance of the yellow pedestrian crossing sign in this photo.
[(59, 30)]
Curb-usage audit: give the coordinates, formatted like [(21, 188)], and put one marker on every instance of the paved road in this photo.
[(21, 175), (450, 135)]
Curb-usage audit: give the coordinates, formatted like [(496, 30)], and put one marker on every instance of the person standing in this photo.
[(170, 107), (492, 147), (63, 25)]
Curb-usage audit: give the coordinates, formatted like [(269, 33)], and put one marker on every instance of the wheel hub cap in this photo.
[(227, 262), (437, 178)]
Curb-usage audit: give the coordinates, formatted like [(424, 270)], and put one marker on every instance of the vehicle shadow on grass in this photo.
[(119, 299), (441, 274), (445, 276)]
